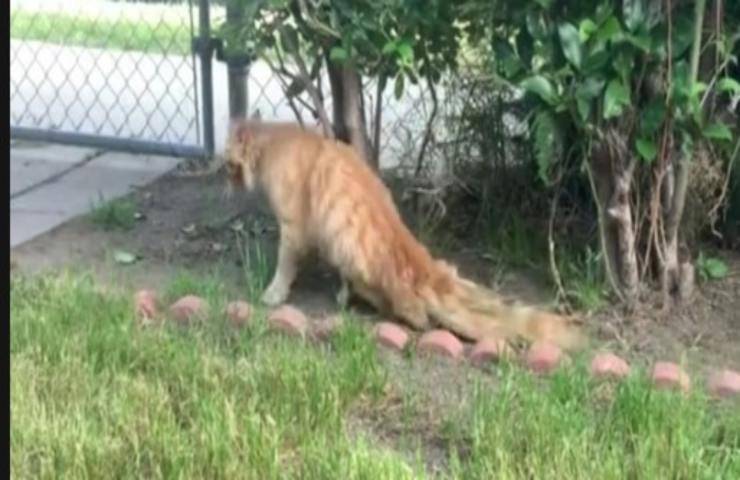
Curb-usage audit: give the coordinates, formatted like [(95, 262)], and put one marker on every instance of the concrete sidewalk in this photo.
[(50, 184)]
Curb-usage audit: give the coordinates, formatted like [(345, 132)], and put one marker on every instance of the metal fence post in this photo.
[(206, 71), (238, 67)]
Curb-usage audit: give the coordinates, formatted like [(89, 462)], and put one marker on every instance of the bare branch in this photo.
[(378, 118)]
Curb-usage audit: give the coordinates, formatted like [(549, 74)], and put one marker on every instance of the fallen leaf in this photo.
[(124, 258)]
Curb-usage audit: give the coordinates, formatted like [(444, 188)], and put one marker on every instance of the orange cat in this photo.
[(326, 197)]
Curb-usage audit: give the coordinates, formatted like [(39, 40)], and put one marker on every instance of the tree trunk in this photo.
[(354, 114), (348, 109), (337, 97), (611, 182), (676, 271)]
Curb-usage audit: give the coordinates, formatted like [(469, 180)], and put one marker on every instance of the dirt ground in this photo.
[(188, 223)]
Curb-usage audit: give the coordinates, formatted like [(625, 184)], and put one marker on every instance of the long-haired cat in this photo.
[(325, 197)]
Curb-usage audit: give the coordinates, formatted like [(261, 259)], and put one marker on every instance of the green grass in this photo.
[(575, 428), (93, 396), (255, 264), (141, 35), (116, 214)]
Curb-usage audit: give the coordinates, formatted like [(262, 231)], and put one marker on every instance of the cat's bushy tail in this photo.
[(475, 312)]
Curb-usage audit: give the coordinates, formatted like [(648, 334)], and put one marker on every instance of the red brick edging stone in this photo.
[(145, 305), (289, 320), (724, 383), (325, 328), (670, 376), (489, 350), (544, 357), (440, 342), (391, 335), (608, 365), (238, 312), (188, 308)]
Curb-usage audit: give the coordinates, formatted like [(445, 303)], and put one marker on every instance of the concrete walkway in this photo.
[(50, 184)]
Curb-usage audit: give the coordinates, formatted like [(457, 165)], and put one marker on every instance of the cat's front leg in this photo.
[(285, 272)]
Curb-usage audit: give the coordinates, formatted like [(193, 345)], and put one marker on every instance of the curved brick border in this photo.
[(541, 357)]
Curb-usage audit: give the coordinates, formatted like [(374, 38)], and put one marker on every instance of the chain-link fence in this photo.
[(106, 73), (124, 75)]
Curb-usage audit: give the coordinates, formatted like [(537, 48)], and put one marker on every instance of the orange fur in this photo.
[(326, 197)]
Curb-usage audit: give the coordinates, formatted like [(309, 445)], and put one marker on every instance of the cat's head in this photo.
[(243, 149)]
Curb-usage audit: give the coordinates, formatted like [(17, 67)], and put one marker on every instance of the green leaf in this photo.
[(616, 97), (389, 47), (585, 92), (536, 25), (338, 54), (635, 14), (571, 43), (698, 88), (716, 268), (717, 131), (647, 149), (406, 52), (544, 3), (591, 87), (623, 63), (595, 62), (680, 89), (610, 30), (586, 28), (712, 268), (546, 142), (682, 35), (584, 108), (652, 116), (124, 258), (641, 41), (541, 86), (729, 84), (398, 87), (505, 58), (604, 11)]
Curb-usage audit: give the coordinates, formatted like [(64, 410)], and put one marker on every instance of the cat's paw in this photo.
[(343, 296), (274, 296)]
